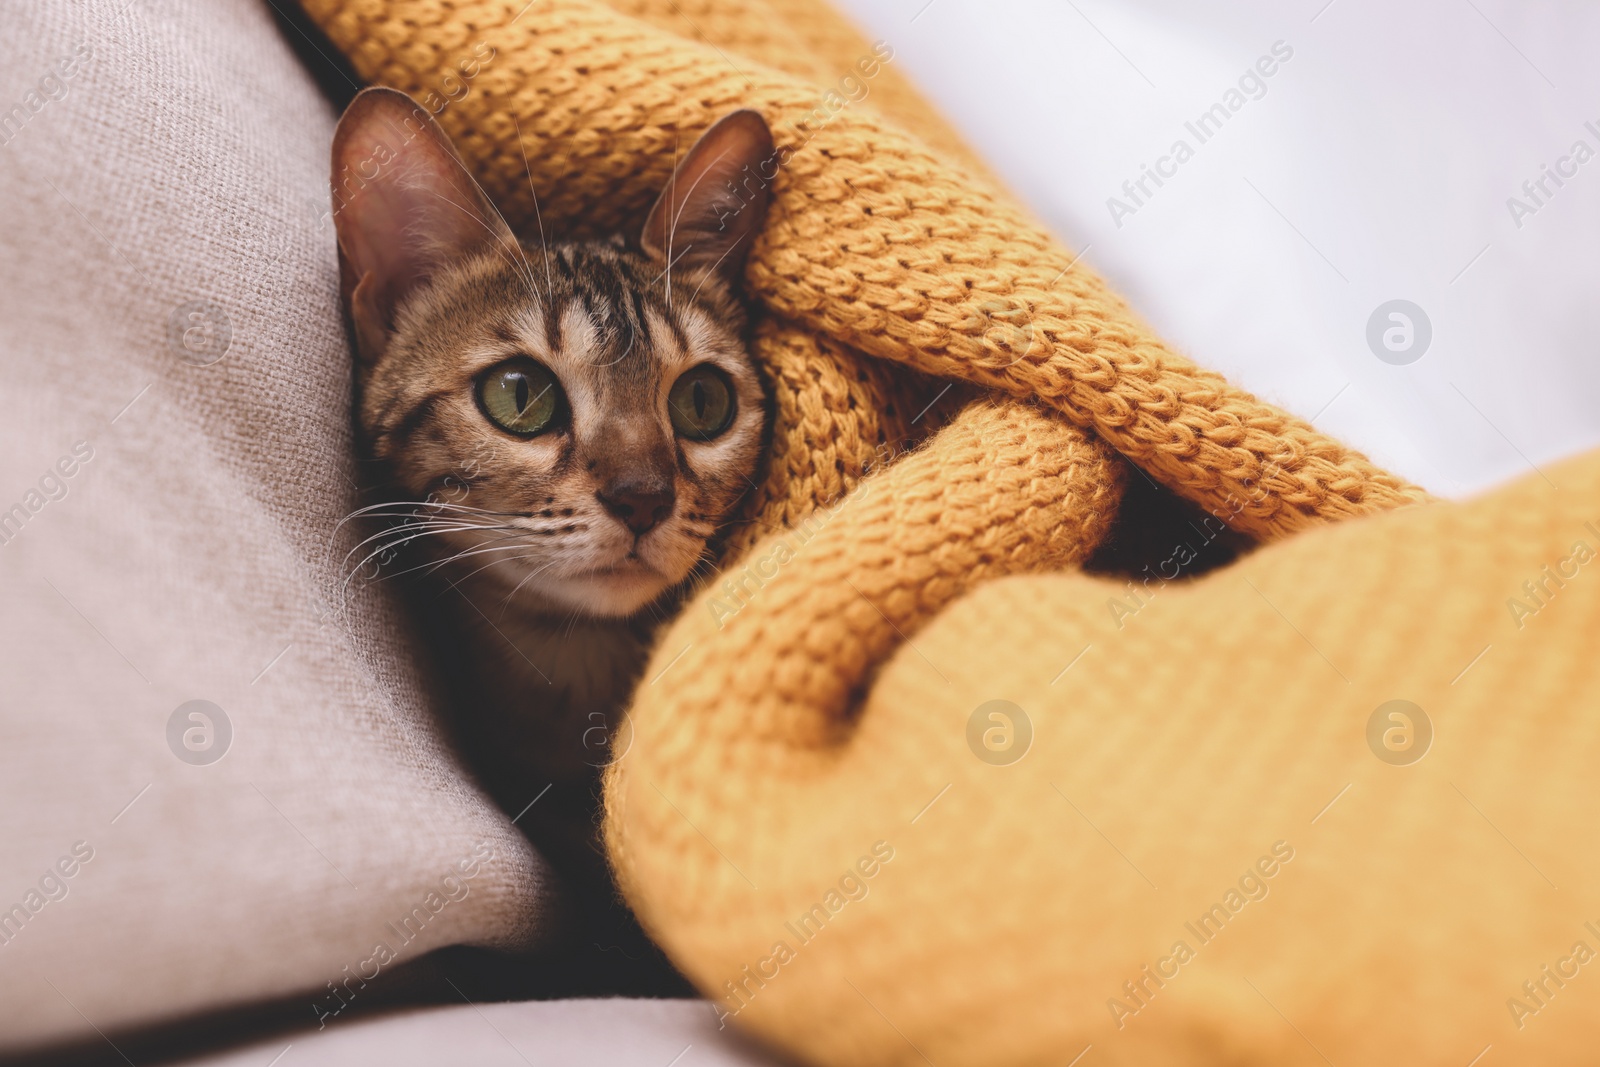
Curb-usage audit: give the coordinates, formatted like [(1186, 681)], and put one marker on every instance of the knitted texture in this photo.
[(875, 240), (1213, 764), (811, 43), (810, 716)]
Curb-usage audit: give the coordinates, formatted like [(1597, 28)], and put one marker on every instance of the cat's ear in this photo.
[(716, 200), (403, 207)]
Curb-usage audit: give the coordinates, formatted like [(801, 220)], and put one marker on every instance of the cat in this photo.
[(562, 429)]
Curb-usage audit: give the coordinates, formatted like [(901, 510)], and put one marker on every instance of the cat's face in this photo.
[(581, 417), (608, 430)]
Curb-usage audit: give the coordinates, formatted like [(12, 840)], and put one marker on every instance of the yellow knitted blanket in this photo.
[(881, 820)]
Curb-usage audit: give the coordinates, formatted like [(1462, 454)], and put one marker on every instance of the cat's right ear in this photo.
[(404, 206), (716, 200)]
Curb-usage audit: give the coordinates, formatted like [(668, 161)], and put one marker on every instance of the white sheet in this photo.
[(543, 1033), (1377, 164)]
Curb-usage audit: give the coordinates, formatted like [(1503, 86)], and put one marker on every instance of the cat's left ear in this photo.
[(405, 208), (715, 202)]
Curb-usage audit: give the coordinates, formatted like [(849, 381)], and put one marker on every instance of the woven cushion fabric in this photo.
[(175, 459)]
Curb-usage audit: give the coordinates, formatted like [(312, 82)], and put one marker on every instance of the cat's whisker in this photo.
[(506, 603), (414, 521), (709, 275), (378, 510), (431, 566), (517, 245), (435, 565), (456, 518), (419, 529), (457, 582), (396, 543), (499, 562), (688, 198), (571, 623), (432, 505), (386, 540), (549, 284), (401, 522), (522, 254), (672, 226), (704, 567), (525, 274)]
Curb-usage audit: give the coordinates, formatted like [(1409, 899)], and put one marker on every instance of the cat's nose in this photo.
[(640, 507)]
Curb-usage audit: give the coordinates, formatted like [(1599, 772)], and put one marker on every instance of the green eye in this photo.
[(521, 397), (701, 403)]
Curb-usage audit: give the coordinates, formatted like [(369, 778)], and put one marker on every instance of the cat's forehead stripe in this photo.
[(668, 340), (525, 327), (580, 332)]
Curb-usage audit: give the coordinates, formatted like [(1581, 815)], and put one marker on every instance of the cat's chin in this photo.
[(614, 592)]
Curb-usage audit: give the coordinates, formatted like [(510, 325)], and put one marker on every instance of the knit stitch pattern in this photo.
[(810, 714), (1206, 855), (875, 240)]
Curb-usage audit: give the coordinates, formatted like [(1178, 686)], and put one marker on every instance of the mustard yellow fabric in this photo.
[(1196, 746), (1217, 847), (880, 241)]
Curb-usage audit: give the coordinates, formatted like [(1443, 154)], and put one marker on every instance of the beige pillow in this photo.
[(174, 461)]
